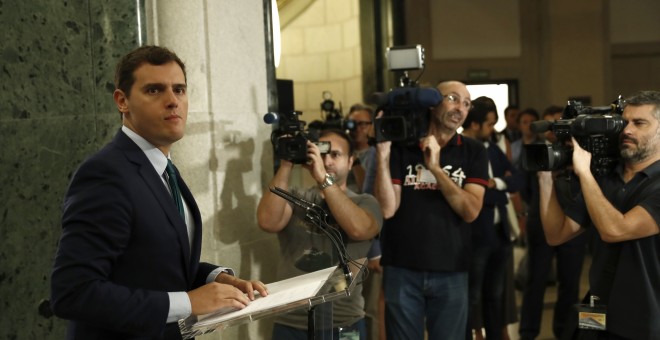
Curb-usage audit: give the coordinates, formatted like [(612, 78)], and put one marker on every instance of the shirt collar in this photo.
[(456, 139), (649, 171), (157, 159), (653, 169)]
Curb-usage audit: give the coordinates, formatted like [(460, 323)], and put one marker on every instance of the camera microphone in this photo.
[(429, 97), (597, 109), (540, 126), (271, 117), (425, 97)]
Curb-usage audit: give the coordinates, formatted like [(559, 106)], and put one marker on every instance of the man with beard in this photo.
[(624, 207), (304, 248), (430, 192)]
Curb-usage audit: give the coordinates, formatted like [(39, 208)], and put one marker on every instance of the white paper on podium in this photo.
[(279, 293)]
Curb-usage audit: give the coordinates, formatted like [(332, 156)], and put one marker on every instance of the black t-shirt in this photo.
[(425, 233), (629, 285)]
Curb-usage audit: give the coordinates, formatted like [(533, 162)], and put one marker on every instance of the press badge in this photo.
[(349, 334), (592, 316)]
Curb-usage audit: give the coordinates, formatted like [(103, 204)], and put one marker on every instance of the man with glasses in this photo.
[(362, 178), (430, 193), (304, 248), (363, 172)]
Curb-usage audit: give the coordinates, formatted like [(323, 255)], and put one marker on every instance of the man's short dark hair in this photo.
[(509, 108), (551, 110), (153, 55), (479, 111), (528, 111), (646, 98), (361, 107), (342, 134)]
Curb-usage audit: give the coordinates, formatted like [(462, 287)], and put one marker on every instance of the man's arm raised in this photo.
[(273, 212), (558, 227)]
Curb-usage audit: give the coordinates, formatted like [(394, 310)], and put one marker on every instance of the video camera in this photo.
[(333, 117), (596, 129), (406, 109), (290, 138)]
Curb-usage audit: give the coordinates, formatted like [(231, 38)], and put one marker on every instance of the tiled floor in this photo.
[(550, 297)]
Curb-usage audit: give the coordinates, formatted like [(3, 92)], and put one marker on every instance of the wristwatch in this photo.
[(329, 180)]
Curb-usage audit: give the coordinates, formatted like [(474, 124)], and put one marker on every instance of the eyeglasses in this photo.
[(456, 99)]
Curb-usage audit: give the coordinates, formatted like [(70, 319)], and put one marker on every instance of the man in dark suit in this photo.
[(128, 264), (491, 239)]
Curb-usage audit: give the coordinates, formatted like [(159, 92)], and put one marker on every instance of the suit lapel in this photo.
[(155, 183)]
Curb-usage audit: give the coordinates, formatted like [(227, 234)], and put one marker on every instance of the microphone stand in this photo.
[(318, 216)]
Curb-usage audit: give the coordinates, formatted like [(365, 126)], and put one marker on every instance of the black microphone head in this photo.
[(271, 117), (540, 126)]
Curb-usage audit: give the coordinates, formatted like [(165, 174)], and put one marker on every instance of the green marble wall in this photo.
[(56, 68)]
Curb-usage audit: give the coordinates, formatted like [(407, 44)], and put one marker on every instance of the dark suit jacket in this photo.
[(123, 247), (483, 231)]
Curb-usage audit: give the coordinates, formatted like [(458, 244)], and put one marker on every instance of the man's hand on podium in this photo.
[(228, 292)]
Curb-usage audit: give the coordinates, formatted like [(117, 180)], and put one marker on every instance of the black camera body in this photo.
[(290, 138), (596, 129), (406, 109)]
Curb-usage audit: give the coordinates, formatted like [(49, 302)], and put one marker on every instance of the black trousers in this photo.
[(570, 257)]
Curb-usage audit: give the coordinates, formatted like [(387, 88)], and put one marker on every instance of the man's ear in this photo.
[(121, 100)]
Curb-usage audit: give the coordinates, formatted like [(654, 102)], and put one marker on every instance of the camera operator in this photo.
[(306, 249), (430, 192), (624, 207)]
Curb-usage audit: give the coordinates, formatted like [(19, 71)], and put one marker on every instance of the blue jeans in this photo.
[(413, 297), (282, 332)]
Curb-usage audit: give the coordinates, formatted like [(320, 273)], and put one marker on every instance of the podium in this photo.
[(305, 291)]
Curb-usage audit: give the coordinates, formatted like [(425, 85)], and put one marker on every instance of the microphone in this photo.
[(540, 126), (271, 118), (414, 97), (310, 207), (597, 109), (377, 99)]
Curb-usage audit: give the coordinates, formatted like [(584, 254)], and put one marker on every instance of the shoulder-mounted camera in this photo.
[(596, 129), (406, 109)]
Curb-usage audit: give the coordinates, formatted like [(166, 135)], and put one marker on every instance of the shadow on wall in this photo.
[(236, 222)]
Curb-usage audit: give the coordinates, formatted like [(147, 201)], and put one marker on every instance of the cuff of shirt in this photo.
[(218, 271), (180, 307)]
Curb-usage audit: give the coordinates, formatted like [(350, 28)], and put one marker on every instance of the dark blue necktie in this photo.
[(174, 188)]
